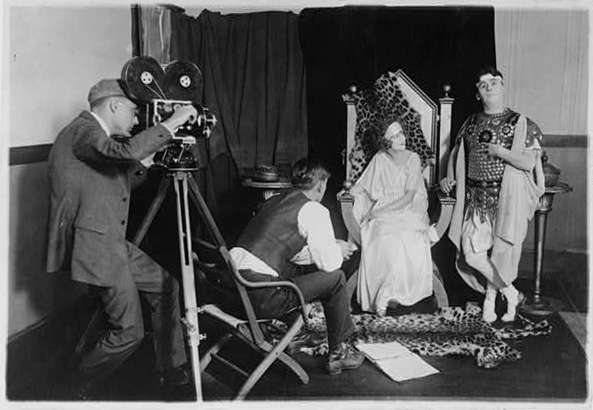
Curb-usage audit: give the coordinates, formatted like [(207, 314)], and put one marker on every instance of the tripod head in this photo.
[(158, 95)]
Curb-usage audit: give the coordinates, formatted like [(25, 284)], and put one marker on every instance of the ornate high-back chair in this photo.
[(394, 96)]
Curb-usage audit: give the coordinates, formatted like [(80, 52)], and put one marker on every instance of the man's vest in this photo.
[(273, 234)]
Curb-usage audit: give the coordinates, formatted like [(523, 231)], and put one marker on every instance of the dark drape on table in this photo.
[(355, 45)]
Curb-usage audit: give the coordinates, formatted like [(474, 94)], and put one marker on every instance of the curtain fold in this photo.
[(254, 82)]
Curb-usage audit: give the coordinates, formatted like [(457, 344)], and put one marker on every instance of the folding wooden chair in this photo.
[(220, 271)]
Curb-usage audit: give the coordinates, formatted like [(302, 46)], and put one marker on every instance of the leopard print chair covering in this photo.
[(376, 109)]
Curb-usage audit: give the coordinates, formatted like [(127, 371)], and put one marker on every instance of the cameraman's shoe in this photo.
[(344, 357), (86, 390), (176, 376), (177, 384)]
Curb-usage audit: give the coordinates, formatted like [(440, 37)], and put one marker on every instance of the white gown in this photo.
[(396, 263)]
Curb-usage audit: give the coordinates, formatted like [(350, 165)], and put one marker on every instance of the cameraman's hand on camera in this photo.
[(186, 113), (187, 139), (148, 161)]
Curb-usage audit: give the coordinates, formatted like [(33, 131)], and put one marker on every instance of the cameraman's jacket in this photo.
[(90, 177)]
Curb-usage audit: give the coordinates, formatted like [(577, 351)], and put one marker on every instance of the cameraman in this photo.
[(92, 165)]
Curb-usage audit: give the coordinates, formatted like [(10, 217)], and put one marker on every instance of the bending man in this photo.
[(290, 228)]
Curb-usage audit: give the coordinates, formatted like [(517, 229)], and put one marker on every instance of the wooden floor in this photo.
[(553, 370)]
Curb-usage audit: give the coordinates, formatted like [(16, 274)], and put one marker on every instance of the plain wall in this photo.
[(567, 222), (544, 56), (56, 54)]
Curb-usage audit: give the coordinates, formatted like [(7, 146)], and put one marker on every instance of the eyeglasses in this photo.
[(493, 82)]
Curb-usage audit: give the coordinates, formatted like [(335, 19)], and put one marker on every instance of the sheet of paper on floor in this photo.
[(396, 361)]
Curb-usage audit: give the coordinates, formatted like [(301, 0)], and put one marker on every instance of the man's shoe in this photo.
[(344, 357), (85, 391), (176, 376)]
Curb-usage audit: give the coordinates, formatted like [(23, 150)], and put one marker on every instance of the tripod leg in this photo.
[(204, 211), (187, 276), (154, 207)]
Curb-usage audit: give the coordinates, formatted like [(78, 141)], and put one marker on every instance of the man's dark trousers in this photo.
[(327, 287)]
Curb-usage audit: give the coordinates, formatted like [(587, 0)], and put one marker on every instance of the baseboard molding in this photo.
[(36, 354), (565, 140), (29, 154), (577, 251)]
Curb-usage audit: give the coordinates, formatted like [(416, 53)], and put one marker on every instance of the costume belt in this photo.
[(483, 184)]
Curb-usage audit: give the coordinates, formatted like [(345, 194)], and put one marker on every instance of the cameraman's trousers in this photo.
[(121, 303)]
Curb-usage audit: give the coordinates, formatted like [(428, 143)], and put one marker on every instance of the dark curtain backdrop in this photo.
[(253, 81), (355, 45)]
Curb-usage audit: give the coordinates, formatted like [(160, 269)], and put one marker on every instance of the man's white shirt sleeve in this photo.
[(315, 225)]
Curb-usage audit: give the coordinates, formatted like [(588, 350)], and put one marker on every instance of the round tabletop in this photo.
[(281, 183), (559, 188)]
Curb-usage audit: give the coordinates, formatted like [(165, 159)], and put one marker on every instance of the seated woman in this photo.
[(391, 207)]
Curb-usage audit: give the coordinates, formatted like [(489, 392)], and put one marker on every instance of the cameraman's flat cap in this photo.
[(106, 87)]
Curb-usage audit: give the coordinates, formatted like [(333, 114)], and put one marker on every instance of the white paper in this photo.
[(406, 367), (379, 351), (396, 361)]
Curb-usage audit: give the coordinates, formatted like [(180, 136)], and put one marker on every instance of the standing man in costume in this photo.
[(294, 228), (496, 168), (91, 167)]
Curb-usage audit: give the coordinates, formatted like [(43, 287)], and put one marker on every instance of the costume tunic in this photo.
[(395, 261), (484, 172), (476, 228)]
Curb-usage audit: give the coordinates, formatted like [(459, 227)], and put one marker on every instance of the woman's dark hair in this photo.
[(307, 172), (487, 69)]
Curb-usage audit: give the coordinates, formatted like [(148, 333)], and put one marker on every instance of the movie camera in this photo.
[(158, 94)]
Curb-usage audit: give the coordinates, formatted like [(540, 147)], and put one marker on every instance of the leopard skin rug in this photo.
[(448, 331)]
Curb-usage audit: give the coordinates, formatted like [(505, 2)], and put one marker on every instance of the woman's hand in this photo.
[(367, 218), (447, 184), (347, 248)]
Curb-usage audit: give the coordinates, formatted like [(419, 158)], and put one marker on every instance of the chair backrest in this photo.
[(395, 96), (215, 265)]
